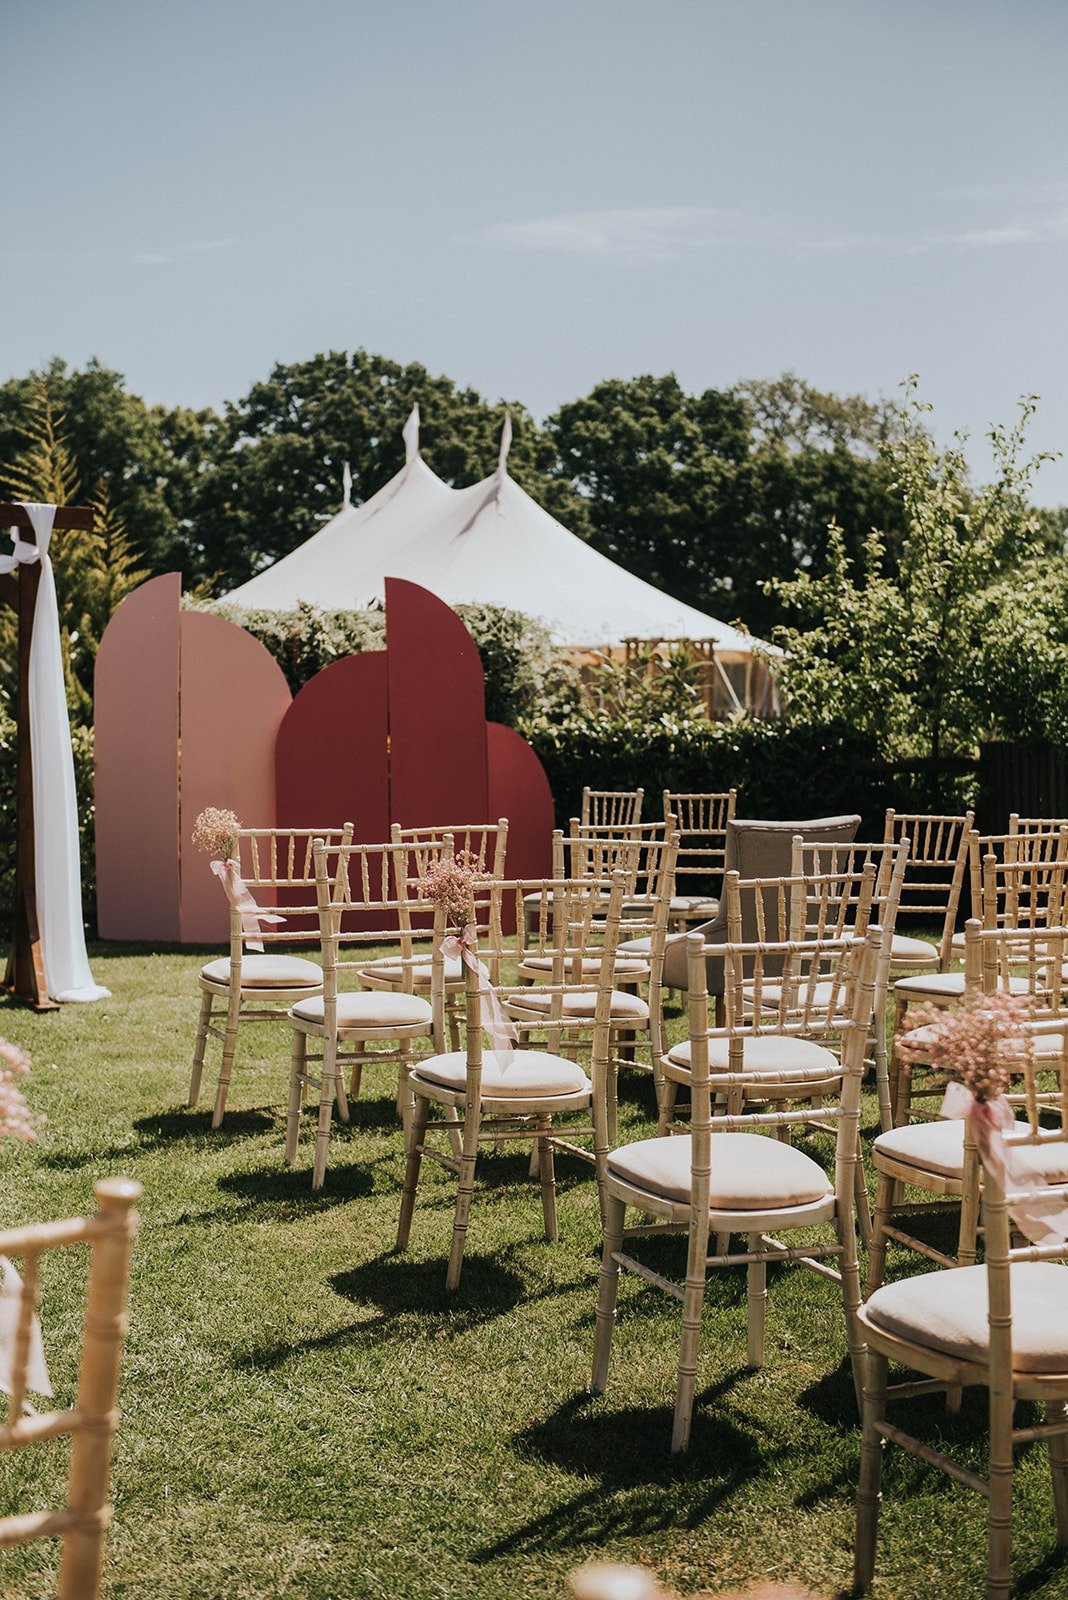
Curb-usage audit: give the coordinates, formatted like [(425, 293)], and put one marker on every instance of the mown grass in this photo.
[(306, 1414)]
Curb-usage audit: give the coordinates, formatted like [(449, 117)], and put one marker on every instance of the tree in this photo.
[(708, 496), (902, 656)]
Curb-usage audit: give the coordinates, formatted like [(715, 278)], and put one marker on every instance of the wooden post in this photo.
[(25, 976)]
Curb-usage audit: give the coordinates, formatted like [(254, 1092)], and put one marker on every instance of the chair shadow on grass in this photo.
[(164, 1129), (399, 1288), (639, 1488)]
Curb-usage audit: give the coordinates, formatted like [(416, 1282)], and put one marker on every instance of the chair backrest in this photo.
[(806, 909), (1029, 962), (938, 855), (365, 897), (611, 808), (596, 852), (889, 861), (486, 841), (832, 996), (90, 1423), (1018, 879), (277, 866), (702, 821), (1018, 824)]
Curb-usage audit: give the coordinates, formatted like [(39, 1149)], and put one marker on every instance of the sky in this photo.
[(530, 198)]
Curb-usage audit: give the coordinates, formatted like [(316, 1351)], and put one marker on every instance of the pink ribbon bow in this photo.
[(502, 1034), (240, 897), (1041, 1221)]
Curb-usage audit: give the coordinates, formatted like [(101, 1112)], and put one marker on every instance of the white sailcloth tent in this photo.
[(491, 544)]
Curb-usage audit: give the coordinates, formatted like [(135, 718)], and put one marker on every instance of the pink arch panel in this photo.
[(233, 698), (136, 756)]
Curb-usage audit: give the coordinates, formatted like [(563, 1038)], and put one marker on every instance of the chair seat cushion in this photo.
[(1044, 1046), (267, 972), (947, 985), (530, 1075), (749, 1172), (631, 966), (369, 1010), (635, 947), (907, 952), (629, 1007), (938, 1147), (818, 995), (707, 905), (769, 1052), (947, 1312), (388, 969)]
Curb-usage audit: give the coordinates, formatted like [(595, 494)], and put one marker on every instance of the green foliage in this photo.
[(901, 656), (779, 771), (515, 650), (707, 496), (1024, 630)]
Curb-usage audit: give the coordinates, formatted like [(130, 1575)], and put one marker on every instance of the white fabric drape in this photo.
[(55, 805)]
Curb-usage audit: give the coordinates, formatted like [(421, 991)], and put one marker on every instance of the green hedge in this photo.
[(779, 771)]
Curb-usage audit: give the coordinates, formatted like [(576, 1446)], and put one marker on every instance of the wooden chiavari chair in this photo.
[(499, 1095), (939, 1156), (363, 900), (701, 821), (725, 1177), (1002, 1326), (90, 1424), (938, 858), (277, 867)]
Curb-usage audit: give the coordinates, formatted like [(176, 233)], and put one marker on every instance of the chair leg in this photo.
[(882, 1068), (669, 1090), (233, 1014), (607, 1290), (861, 1203), (869, 1487), (999, 1498), (693, 1302), (326, 1111), (547, 1176), (1057, 1414), (199, 1046), (416, 1134), (472, 1120), (297, 1063), (757, 1301), (877, 1254)]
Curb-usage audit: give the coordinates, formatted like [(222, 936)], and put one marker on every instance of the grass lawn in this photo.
[(306, 1414)]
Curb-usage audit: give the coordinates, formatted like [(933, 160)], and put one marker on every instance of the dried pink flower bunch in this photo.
[(215, 832), (17, 1121), (974, 1044), (451, 882)]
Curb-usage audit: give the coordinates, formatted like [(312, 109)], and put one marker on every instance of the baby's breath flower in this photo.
[(215, 832), (975, 1044), (451, 882)]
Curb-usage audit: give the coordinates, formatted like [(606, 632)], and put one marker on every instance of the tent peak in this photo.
[(410, 435), (506, 442)]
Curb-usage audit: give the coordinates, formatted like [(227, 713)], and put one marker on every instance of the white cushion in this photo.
[(267, 972), (391, 970), (628, 1006), (707, 905), (1044, 1046), (948, 985), (635, 947), (590, 966), (769, 1052), (369, 1010), (530, 1075), (947, 1311), (938, 1147), (906, 952), (749, 1172), (818, 995)]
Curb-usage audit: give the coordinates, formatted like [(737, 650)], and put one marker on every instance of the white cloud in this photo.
[(659, 233)]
